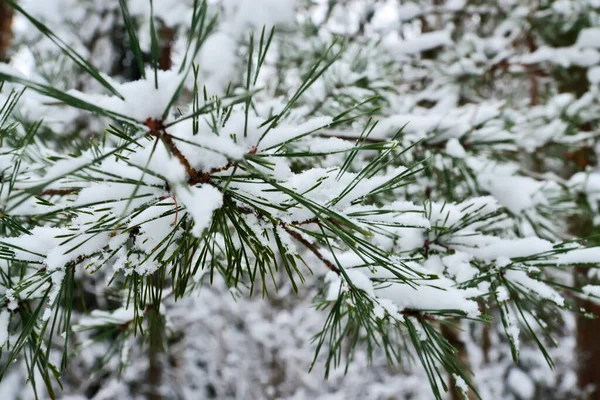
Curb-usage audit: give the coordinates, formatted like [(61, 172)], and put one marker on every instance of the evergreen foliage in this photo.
[(414, 186)]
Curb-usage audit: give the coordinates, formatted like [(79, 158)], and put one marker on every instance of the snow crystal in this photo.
[(386, 306), (512, 248), (333, 144), (410, 124), (196, 147), (438, 294), (459, 267), (13, 305), (445, 214), (455, 149), (400, 212), (512, 329), (154, 226), (502, 294), (536, 287), (200, 202), (218, 57), (483, 205), (517, 193), (143, 265), (120, 262), (283, 133), (84, 244), (593, 290), (579, 256), (57, 280), (161, 161), (360, 281), (461, 384), (503, 261), (142, 100), (434, 265), (47, 314), (110, 191), (41, 241), (99, 317), (357, 278), (334, 285), (378, 311), (63, 168)]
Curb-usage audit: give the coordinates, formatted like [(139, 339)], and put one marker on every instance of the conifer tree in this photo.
[(182, 178)]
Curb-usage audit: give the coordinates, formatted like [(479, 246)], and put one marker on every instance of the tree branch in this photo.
[(312, 248)]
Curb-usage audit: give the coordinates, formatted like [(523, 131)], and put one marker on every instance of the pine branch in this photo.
[(313, 249)]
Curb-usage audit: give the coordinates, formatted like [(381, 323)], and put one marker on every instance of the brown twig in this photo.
[(533, 76), (297, 236), (409, 312), (204, 177), (57, 192), (157, 129), (312, 248), (307, 222), (168, 140)]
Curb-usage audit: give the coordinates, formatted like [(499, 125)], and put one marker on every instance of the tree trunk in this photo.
[(167, 35), (155, 369), (156, 333), (452, 334), (588, 345), (6, 17)]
